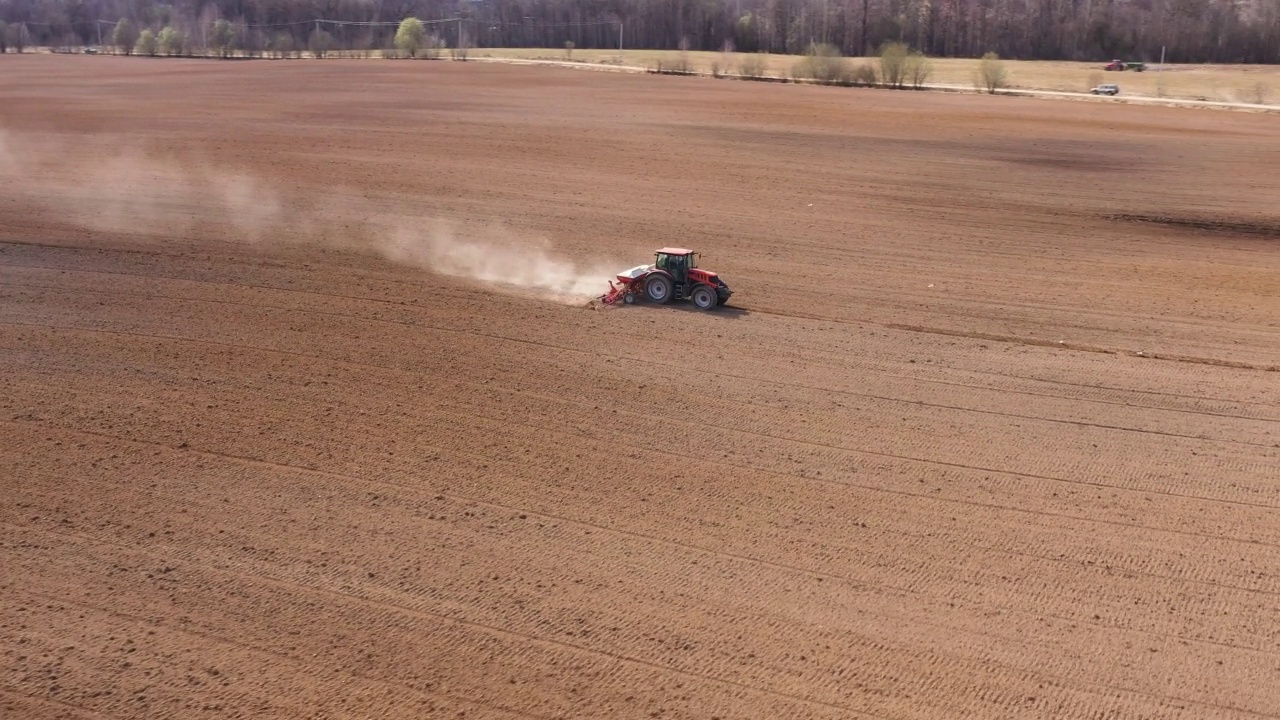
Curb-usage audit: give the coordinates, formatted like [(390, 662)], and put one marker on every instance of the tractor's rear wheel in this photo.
[(704, 298), (658, 288)]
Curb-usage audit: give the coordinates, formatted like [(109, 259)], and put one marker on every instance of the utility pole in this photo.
[(863, 51), (619, 43), (825, 13)]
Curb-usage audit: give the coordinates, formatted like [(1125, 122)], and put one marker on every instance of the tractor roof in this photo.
[(675, 251)]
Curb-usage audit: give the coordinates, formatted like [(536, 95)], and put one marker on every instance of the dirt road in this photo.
[(990, 429), (945, 87)]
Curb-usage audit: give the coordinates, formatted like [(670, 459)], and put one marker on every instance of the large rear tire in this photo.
[(704, 298), (658, 289)]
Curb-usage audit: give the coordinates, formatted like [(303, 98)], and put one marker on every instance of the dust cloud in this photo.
[(501, 260), (125, 189), (107, 185)]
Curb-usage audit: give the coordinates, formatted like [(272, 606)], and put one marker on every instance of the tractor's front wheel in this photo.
[(658, 288), (704, 298)]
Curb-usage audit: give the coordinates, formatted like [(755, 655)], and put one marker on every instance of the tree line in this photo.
[(1188, 31)]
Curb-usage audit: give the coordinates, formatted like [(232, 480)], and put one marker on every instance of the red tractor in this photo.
[(674, 274)]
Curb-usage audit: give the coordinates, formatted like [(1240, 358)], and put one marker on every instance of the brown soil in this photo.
[(964, 444)]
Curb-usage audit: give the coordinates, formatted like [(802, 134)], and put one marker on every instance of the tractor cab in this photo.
[(676, 261)]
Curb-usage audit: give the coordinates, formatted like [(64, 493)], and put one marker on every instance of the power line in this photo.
[(593, 23), (393, 23)]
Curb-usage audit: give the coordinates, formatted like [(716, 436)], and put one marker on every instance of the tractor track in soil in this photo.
[(168, 555), (916, 469), (1020, 474), (189, 559), (1017, 340), (963, 541), (348, 597), (277, 657), (900, 591), (969, 543), (375, 320)]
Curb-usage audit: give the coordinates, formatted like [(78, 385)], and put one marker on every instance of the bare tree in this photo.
[(824, 65), (246, 39), (724, 65), (431, 50), (124, 37), (146, 43), (282, 45), (170, 41), (19, 37), (464, 44), (365, 42), (198, 32), (67, 43), (753, 66), (991, 73), (893, 64), (918, 70), (320, 43), (222, 38), (682, 64), (4, 37), (865, 75)]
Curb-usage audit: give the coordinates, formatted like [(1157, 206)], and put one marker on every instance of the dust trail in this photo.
[(499, 260), (129, 191), (126, 190)]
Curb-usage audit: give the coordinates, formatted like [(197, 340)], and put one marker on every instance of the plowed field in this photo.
[(301, 414)]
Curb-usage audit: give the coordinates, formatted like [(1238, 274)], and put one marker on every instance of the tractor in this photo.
[(673, 275)]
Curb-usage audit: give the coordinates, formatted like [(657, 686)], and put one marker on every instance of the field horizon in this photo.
[(1199, 82)]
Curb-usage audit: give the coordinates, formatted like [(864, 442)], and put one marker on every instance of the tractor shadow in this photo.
[(724, 312)]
